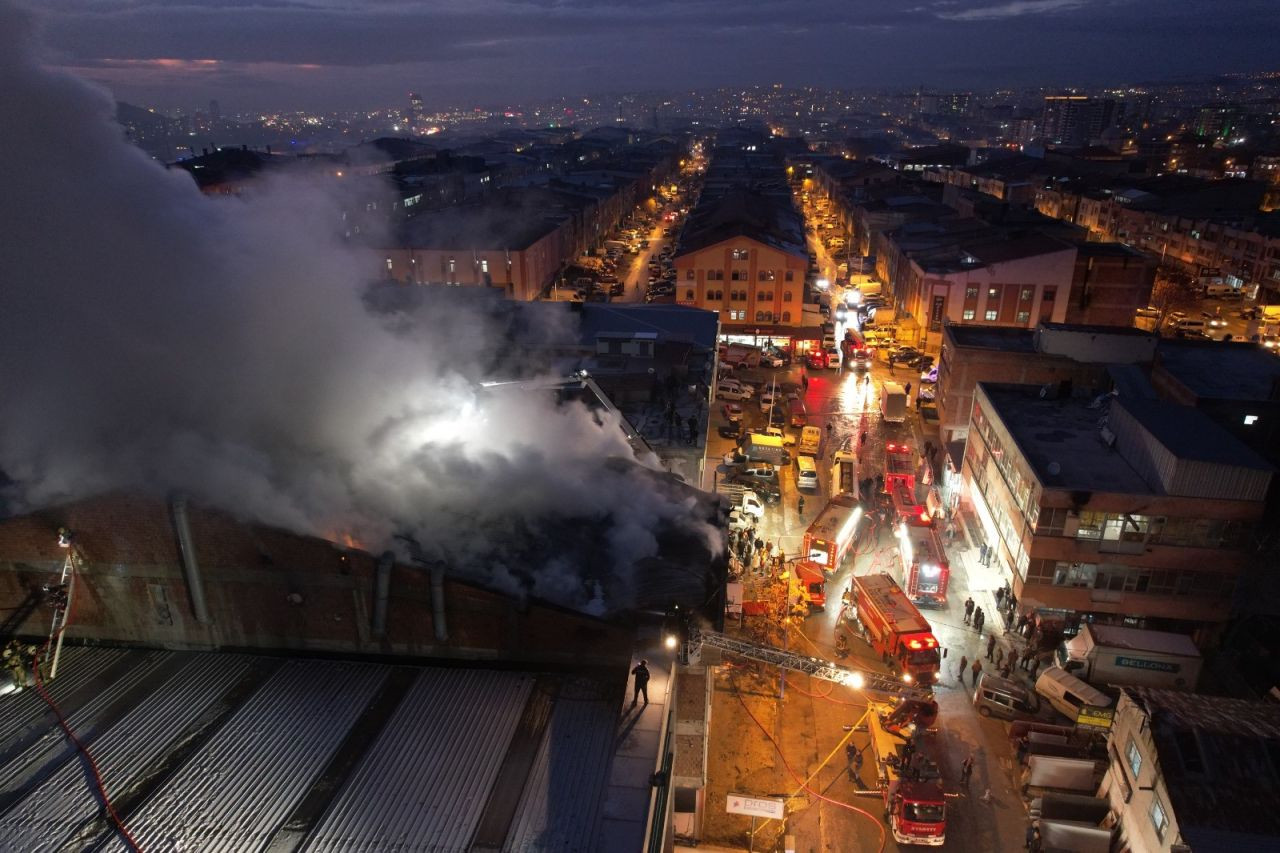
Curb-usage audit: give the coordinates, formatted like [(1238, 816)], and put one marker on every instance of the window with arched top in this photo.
[(786, 316), (688, 294), (786, 296)]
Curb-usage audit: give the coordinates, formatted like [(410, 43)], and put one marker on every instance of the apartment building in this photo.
[(966, 272), (1190, 772), (1052, 354), (744, 257), (1121, 509)]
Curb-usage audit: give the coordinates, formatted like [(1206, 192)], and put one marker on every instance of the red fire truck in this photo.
[(899, 467), (832, 533), (895, 629), (923, 564), (915, 804), (813, 581), (905, 508)]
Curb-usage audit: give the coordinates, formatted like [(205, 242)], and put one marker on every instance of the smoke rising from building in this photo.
[(157, 339)]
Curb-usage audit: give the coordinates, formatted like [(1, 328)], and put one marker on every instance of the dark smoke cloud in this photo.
[(157, 339)]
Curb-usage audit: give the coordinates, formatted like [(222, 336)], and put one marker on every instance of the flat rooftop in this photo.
[(1061, 440), (993, 338), (1221, 371)]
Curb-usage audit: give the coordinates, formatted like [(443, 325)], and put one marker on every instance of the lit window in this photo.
[(739, 254), (968, 314), (1250, 420), (688, 274), (1024, 316), (993, 293), (388, 263), (992, 315), (1158, 819), (971, 293), (1134, 755), (1026, 294), (484, 266), (453, 265)]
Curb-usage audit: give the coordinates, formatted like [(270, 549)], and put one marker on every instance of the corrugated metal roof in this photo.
[(216, 752), (237, 789), (30, 759), (425, 782), (62, 805), (574, 757)]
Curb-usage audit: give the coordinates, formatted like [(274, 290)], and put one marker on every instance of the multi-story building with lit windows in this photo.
[(1117, 509), (744, 256)]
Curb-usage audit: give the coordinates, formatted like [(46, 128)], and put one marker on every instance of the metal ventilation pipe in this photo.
[(437, 604), (190, 565), (382, 593)]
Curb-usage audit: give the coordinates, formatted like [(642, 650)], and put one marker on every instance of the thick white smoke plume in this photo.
[(154, 338)]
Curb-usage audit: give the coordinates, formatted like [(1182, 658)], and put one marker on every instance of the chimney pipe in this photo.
[(190, 565), (382, 592), (437, 604)]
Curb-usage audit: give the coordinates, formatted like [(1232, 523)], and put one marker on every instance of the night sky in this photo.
[(321, 54)]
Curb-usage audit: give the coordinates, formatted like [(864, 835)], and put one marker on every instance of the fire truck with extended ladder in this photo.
[(924, 570), (908, 783)]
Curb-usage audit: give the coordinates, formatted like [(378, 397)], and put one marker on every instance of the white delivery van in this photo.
[(730, 389), (1068, 694), (806, 474)]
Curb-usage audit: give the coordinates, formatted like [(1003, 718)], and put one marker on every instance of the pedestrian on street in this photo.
[(641, 673), (1000, 656), (1024, 746), (977, 670), (800, 505), (907, 389), (1035, 665), (964, 662), (999, 596), (966, 769), (1026, 658), (979, 618), (991, 647), (968, 610), (982, 555)]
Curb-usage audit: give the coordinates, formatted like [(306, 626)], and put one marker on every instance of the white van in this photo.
[(1189, 325), (1068, 694), (732, 389), (806, 473)]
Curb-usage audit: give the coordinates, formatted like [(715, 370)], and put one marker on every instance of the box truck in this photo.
[(765, 448), (1111, 654), (893, 402)]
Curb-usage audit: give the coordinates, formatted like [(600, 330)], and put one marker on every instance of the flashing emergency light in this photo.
[(915, 644), (929, 570), (856, 681), (670, 641), (924, 516), (906, 678)]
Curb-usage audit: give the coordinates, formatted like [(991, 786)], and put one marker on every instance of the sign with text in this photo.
[(757, 806), (1142, 663), (1093, 717)]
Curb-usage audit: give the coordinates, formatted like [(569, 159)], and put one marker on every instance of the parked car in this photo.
[(761, 470), (733, 430), (772, 360), (732, 412), (1215, 321)]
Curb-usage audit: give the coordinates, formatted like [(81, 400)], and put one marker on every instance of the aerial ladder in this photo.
[(907, 780), (817, 667), (580, 379)]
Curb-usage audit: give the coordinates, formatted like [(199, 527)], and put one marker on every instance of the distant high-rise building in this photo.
[(215, 110), (416, 110), (1076, 119)]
